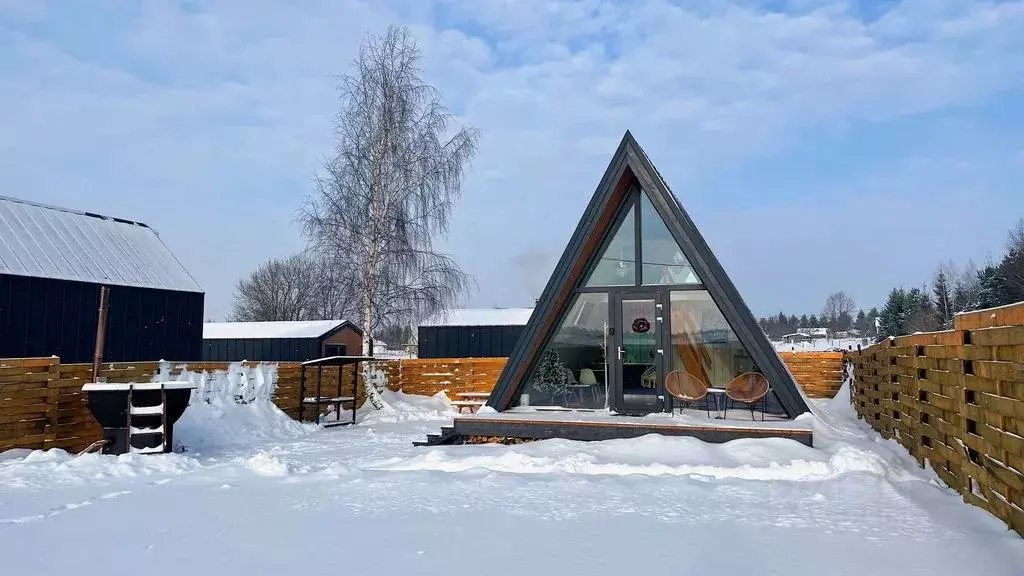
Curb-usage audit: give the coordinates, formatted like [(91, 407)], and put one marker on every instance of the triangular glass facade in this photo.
[(662, 257), (617, 264), (654, 306)]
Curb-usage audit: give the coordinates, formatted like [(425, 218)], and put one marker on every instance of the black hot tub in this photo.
[(152, 407)]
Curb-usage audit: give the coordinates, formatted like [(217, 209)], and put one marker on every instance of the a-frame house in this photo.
[(637, 295)]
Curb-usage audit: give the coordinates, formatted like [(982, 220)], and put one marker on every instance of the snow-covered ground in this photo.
[(822, 345), (260, 494)]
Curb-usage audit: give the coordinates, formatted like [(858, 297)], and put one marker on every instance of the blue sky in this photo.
[(819, 145)]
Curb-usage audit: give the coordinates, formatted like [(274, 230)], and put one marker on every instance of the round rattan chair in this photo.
[(748, 388), (687, 389)]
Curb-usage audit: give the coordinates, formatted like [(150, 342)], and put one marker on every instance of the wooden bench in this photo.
[(336, 401), (471, 404)]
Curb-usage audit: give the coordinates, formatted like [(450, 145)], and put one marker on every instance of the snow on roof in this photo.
[(43, 241), (481, 317), (259, 330)]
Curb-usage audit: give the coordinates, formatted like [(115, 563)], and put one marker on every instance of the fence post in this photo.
[(52, 401)]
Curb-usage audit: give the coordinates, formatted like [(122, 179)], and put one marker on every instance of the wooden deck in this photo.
[(511, 426)]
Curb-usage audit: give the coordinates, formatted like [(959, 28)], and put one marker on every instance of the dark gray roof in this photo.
[(48, 242)]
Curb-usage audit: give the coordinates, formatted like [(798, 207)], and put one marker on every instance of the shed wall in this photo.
[(467, 341), (349, 337), (261, 349), (44, 317)]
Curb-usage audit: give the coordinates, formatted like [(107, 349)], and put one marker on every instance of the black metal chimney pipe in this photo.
[(101, 332)]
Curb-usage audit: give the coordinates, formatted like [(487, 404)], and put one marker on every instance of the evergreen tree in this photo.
[(1011, 269), (794, 323), (895, 315), (942, 298), (552, 375), (921, 312), (992, 288), (861, 322), (804, 322), (966, 286), (813, 322), (872, 318), (842, 322), (782, 324)]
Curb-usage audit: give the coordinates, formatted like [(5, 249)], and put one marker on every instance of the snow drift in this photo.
[(234, 408)]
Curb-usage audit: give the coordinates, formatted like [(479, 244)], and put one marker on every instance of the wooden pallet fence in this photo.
[(955, 400), (428, 376), (42, 405), (819, 374)]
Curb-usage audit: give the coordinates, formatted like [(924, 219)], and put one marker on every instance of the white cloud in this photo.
[(208, 123)]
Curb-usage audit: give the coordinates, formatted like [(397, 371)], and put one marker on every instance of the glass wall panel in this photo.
[(663, 259), (703, 344), (617, 265), (571, 371)]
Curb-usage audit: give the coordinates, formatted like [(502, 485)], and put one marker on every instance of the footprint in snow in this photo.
[(110, 495)]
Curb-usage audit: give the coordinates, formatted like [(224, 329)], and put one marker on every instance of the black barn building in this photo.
[(53, 262), (472, 333), (282, 341)]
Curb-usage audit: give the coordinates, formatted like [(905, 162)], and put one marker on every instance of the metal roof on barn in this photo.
[(43, 241), (275, 329), (480, 317)]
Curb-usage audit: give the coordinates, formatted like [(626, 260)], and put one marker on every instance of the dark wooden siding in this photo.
[(257, 349), (467, 341), (47, 317)]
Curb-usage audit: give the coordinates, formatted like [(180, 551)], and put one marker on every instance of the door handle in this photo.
[(661, 351), (621, 351)]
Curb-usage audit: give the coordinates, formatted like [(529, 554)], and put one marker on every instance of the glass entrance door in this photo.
[(639, 352)]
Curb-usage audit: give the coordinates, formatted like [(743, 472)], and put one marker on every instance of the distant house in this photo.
[(805, 335), (472, 333), (796, 338), (53, 264), (286, 341)]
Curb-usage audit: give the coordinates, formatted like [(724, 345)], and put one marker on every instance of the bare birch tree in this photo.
[(389, 188)]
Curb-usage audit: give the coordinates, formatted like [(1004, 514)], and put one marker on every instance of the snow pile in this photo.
[(401, 407), (55, 467), (266, 464), (654, 455), (840, 448), (234, 408), (820, 345), (239, 383)]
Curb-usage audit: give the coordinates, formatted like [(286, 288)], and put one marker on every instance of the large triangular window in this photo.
[(663, 260), (617, 265), (654, 301)]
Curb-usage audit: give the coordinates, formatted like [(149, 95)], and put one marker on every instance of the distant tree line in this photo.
[(839, 314), (931, 307), (954, 290)]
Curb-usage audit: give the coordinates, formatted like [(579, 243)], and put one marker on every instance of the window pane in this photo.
[(703, 344), (571, 370), (663, 260), (617, 265)]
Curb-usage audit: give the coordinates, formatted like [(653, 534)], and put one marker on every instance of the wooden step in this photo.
[(148, 410)]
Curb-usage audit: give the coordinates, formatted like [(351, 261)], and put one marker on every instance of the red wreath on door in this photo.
[(641, 325)]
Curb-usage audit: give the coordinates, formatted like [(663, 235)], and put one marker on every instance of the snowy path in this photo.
[(364, 501)]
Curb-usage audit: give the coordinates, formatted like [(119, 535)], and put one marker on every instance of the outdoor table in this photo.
[(720, 400)]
